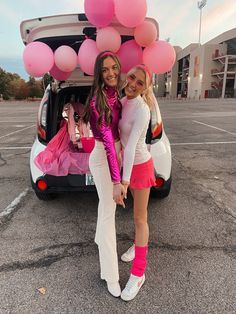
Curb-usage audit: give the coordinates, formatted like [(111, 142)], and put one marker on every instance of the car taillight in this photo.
[(42, 120), (42, 185), (159, 182), (157, 130), (41, 132)]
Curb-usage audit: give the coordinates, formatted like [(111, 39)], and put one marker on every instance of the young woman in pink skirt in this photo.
[(138, 169)]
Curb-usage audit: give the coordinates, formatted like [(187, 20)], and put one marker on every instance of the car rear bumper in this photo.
[(63, 184)]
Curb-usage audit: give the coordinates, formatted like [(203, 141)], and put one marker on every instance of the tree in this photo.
[(13, 86), (21, 89), (35, 88), (5, 84)]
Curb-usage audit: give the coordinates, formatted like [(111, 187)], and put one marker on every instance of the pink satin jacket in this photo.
[(106, 133)]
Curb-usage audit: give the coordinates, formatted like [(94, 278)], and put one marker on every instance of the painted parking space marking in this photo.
[(15, 121), (172, 144), (202, 143), (214, 127), (214, 114), (16, 147), (11, 207), (28, 127)]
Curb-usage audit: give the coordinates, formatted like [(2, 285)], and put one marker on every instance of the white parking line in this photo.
[(171, 144), (16, 121), (214, 127), (11, 207), (202, 143), (12, 148), (28, 127)]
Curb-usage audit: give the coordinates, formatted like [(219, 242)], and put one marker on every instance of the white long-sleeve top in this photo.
[(133, 128)]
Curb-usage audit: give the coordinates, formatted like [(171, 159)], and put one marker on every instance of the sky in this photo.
[(178, 21)]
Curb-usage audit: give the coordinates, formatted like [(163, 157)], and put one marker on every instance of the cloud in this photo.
[(222, 12), (180, 20), (9, 14), (173, 17)]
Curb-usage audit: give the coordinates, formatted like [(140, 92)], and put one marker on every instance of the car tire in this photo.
[(45, 196), (162, 192)]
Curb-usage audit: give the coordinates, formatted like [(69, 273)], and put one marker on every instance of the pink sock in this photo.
[(140, 261)]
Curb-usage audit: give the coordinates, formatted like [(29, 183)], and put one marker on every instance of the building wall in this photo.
[(201, 66), (172, 78), (160, 88), (209, 64), (195, 73), (200, 79)]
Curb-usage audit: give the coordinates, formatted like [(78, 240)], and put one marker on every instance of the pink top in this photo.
[(106, 133)]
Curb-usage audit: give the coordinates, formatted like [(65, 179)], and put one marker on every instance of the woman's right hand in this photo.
[(125, 185), (118, 194)]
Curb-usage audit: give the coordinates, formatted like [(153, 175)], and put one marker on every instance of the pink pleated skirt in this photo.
[(142, 176)]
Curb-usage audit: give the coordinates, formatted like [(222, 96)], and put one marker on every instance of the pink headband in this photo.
[(146, 69), (107, 53)]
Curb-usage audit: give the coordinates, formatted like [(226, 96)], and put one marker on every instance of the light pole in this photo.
[(200, 4)]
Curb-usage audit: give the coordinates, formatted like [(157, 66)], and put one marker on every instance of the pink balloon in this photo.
[(159, 57), (58, 74), (130, 54), (38, 58), (87, 55), (146, 33), (99, 14), (108, 38), (65, 58), (130, 13)]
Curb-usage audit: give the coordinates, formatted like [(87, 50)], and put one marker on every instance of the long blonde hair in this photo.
[(147, 94)]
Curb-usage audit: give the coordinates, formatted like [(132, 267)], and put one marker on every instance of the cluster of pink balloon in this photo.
[(39, 59), (145, 48)]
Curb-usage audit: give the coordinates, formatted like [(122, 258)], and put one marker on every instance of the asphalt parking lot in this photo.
[(192, 251)]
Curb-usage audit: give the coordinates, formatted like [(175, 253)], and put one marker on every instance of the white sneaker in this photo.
[(132, 287), (128, 256), (114, 288)]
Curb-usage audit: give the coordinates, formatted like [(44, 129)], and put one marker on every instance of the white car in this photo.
[(71, 30)]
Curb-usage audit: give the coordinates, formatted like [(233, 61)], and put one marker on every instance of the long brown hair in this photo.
[(97, 89)]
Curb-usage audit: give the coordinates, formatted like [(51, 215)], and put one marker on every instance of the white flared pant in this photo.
[(105, 232)]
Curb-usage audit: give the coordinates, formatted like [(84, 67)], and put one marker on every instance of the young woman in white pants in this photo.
[(103, 111)]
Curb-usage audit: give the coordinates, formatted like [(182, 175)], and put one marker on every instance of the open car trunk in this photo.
[(68, 29)]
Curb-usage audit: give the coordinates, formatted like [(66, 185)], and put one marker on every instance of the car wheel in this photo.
[(163, 191), (160, 193), (45, 196)]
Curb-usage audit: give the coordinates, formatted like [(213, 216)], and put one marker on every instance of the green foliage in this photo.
[(12, 86)]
